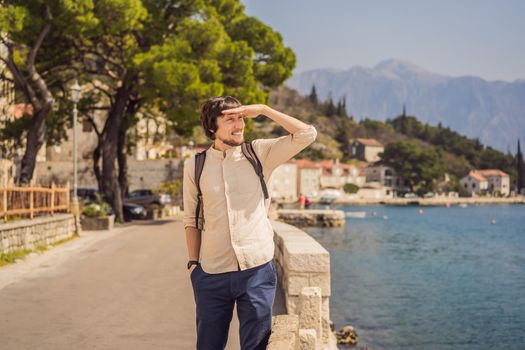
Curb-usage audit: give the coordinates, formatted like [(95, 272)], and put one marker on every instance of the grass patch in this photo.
[(64, 240), (10, 258)]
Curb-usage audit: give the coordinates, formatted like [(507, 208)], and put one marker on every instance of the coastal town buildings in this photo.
[(379, 173), (366, 149), (284, 182), (491, 181), (335, 174), (309, 178)]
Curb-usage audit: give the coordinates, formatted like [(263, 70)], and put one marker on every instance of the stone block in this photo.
[(308, 339), (285, 333), (309, 310), (325, 317), (306, 258), (295, 282), (100, 223), (291, 304), (321, 280)]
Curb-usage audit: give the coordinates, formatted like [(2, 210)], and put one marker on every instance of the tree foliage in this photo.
[(419, 167), (133, 56), (520, 170), (476, 155)]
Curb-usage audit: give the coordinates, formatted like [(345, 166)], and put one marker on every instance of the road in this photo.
[(124, 289)]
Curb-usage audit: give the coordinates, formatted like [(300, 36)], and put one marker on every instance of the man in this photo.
[(231, 248)]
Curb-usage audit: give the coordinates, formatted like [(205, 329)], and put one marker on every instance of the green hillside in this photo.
[(428, 151)]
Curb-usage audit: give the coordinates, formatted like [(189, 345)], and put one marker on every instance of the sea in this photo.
[(432, 278)]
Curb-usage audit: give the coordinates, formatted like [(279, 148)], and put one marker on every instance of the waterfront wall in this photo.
[(303, 269), (28, 234), (312, 217)]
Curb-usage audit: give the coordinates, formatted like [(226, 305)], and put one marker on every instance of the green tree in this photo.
[(313, 96), (134, 56), (329, 107), (170, 55), (341, 107), (38, 36), (520, 181), (419, 167)]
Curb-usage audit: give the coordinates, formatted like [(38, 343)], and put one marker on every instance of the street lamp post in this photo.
[(75, 97)]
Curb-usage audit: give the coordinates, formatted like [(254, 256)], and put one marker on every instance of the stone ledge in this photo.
[(285, 333), (314, 217)]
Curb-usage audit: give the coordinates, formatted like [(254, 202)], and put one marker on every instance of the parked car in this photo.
[(410, 195), (134, 212), (429, 195), (131, 211), (146, 197)]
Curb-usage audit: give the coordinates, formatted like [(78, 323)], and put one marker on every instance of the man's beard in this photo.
[(232, 142)]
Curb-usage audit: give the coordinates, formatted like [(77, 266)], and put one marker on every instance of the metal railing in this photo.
[(33, 201)]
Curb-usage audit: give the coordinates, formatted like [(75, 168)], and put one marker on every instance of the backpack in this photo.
[(249, 153)]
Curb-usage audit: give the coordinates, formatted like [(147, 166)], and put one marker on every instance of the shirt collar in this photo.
[(229, 153)]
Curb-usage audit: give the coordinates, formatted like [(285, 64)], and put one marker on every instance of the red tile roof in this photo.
[(477, 176), (370, 142), (306, 164), (492, 172)]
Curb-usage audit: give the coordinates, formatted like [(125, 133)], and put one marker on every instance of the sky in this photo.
[(481, 38)]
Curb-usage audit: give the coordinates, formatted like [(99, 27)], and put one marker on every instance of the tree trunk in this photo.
[(96, 163), (35, 139), (131, 110), (122, 162), (110, 173)]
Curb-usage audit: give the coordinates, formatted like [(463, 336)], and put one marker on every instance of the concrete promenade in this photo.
[(125, 289)]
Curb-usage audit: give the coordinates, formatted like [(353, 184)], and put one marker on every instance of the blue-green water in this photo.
[(444, 279)]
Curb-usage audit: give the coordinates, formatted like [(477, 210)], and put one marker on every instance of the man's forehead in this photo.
[(230, 115)]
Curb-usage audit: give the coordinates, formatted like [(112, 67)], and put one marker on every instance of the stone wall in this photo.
[(141, 173), (28, 234), (303, 268), (312, 217)]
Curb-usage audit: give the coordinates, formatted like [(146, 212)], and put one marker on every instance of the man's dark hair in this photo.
[(212, 109)]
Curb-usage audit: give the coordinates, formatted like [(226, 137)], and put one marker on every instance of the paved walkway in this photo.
[(127, 289)]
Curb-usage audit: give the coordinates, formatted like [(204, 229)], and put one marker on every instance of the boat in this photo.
[(326, 200)]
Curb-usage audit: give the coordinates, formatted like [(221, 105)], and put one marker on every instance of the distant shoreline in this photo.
[(439, 201)]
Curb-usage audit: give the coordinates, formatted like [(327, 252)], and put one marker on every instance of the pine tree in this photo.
[(341, 107), (330, 109), (520, 181), (313, 96)]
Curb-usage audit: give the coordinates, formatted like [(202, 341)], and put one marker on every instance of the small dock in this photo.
[(312, 217)]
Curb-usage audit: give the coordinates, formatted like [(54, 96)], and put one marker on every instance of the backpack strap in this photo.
[(249, 153), (199, 165)]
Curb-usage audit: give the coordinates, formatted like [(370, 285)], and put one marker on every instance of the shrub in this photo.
[(350, 188)]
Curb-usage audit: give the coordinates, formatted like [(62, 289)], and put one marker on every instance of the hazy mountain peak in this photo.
[(492, 111), (400, 68)]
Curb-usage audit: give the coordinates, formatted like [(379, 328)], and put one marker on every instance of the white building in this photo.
[(283, 183), (366, 149), (335, 174), (492, 181), (309, 177)]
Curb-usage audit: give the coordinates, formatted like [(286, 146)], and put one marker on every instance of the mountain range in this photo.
[(493, 111)]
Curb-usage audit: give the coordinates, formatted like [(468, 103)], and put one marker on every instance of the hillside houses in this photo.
[(491, 181), (367, 150), (311, 178)]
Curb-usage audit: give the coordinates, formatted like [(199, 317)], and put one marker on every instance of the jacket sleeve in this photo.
[(189, 193), (276, 151)]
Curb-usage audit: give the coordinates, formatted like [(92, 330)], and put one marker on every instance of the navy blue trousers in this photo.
[(215, 296)]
